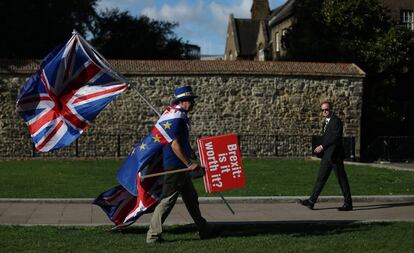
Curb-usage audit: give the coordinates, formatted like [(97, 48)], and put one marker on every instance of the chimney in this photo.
[(260, 9)]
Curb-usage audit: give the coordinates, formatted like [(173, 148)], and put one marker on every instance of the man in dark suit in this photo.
[(332, 153)]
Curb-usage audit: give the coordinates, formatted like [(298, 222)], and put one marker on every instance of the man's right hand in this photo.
[(193, 166), (196, 172)]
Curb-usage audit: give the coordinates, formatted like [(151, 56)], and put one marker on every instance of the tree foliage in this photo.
[(32, 28), (358, 31), (361, 32), (118, 34)]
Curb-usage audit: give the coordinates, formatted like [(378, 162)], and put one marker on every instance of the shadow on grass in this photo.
[(255, 228)]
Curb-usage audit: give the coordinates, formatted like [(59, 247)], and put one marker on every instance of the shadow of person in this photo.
[(294, 229), (370, 207), (325, 208), (381, 206), (132, 230)]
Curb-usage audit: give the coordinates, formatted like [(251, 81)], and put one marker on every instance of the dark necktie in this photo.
[(325, 125)]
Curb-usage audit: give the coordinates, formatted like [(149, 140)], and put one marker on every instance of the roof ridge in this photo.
[(198, 67)]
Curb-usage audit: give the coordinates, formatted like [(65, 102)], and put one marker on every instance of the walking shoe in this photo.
[(345, 207), (309, 204)]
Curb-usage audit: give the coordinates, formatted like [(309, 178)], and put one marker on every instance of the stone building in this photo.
[(261, 37), (273, 106), (247, 39), (401, 11), (279, 22), (241, 39)]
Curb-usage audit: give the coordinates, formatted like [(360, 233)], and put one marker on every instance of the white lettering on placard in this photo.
[(232, 147), (222, 157), (213, 165), (225, 168), (216, 179), (235, 168), (212, 162)]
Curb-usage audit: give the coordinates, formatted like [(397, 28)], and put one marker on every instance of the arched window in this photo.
[(277, 42)]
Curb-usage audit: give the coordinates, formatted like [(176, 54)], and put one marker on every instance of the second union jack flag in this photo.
[(74, 83), (135, 196)]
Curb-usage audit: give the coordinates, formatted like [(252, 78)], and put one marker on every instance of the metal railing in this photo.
[(121, 144), (391, 149)]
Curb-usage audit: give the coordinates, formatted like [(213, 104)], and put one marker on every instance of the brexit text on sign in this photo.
[(220, 155)]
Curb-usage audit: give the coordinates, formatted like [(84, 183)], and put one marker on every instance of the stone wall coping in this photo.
[(198, 67)]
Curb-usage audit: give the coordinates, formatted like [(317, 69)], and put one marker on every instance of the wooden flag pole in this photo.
[(116, 73), (183, 170), (227, 204), (146, 101), (166, 172)]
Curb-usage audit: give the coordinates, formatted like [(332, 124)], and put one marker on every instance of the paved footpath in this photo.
[(267, 209)]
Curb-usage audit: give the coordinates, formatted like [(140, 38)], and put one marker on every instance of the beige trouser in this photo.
[(161, 212)]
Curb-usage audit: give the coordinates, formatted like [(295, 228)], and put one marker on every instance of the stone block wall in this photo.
[(275, 115)]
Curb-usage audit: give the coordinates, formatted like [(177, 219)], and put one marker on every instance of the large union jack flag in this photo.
[(73, 84)]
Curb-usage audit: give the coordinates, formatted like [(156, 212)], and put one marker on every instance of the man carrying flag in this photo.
[(169, 140), (176, 155)]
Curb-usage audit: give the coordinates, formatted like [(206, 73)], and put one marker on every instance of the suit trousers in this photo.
[(163, 209), (323, 175)]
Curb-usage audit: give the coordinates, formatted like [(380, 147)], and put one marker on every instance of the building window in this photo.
[(283, 39), (277, 42), (407, 19), (262, 56)]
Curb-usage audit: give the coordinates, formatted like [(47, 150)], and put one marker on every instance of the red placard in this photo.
[(220, 155)]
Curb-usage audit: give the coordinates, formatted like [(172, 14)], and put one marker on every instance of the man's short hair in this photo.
[(328, 103)]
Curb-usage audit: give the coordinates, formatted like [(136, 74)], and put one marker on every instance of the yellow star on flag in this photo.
[(167, 125), (156, 138), (142, 147)]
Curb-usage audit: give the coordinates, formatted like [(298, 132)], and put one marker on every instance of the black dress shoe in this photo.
[(345, 207), (309, 204)]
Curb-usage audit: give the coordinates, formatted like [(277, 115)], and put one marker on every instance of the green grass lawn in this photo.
[(354, 237), (88, 178)]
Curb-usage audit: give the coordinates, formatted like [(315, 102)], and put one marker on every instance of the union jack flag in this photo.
[(125, 203), (73, 84)]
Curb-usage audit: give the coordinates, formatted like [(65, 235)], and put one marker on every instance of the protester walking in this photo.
[(176, 155)]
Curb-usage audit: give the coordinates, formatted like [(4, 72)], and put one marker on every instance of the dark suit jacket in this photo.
[(331, 141)]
